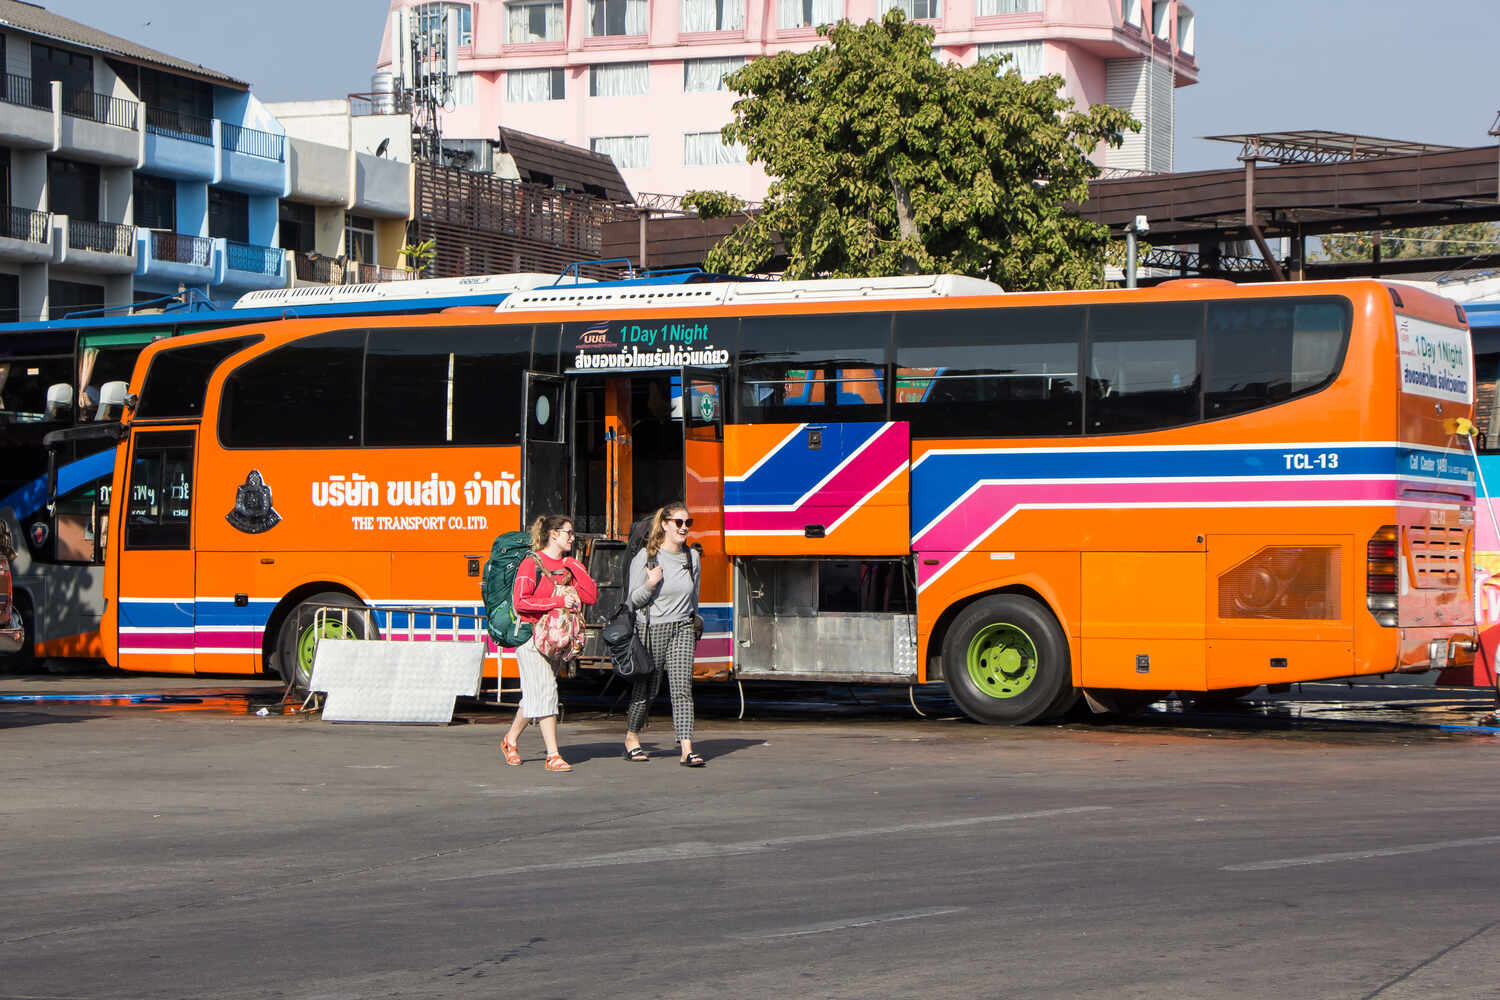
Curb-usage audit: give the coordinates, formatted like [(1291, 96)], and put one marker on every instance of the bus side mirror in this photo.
[(111, 401), (59, 402)]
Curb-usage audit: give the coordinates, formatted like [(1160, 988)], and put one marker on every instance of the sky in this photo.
[(1395, 69)]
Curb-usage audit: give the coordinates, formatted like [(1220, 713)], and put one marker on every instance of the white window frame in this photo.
[(793, 14), (715, 69), (990, 8), (708, 149), (522, 86), (518, 16), (622, 79), (636, 22), (630, 152), (719, 15), (933, 8), (1027, 58), (1185, 33)]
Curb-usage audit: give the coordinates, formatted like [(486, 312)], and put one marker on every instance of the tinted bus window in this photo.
[(989, 372), (1486, 342), (305, 394), (437, 387), (1144, 367), (24, 383), (799, 368), (178, 378), (159, 507), (1268, 351)]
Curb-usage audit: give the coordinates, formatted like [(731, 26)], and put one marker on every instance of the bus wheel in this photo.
[(296, 639), (1005, 659)]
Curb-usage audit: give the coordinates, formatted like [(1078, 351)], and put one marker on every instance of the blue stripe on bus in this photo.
[(33, 496), (794, 468)]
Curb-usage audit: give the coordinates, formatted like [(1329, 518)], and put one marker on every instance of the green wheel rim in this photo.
[(1002, 661), (308, 641)]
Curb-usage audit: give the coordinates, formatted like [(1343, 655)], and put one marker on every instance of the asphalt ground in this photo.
[(1300, 846)]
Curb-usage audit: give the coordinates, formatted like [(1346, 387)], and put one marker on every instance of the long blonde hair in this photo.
[(543, 527), (659, 528)]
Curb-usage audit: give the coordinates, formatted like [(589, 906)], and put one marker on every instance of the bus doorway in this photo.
[(627, 455)]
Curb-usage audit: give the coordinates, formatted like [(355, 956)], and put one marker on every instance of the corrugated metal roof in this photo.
[(39, 21)]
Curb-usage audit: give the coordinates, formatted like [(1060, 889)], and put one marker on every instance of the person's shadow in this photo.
[(663, 750)]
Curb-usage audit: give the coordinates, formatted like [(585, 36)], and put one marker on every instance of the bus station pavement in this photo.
[(150, 850)]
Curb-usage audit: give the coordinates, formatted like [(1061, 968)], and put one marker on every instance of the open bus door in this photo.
[(703, 403), (544, 447)]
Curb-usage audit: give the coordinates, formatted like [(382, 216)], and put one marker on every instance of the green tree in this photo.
[(1463, 240), (885, 161)]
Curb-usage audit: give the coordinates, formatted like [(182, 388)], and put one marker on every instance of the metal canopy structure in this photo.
[(1319, 146), (1291, 184)]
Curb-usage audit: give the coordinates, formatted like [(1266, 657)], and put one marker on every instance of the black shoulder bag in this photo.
[(627, 653)]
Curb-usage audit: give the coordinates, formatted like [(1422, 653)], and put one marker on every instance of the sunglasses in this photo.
[(681, 522)]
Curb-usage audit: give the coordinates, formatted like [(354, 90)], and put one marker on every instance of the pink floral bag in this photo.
[(559, 633)]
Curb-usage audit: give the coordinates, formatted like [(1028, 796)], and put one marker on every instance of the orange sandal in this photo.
[(556, 763), (512, 755)]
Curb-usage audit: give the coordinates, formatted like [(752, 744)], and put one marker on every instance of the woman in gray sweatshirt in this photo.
[(664, 578)]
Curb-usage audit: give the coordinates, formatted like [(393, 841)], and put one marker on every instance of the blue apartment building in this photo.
[(127, 174)]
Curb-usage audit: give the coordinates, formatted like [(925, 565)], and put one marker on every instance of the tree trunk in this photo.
[(905, 219)]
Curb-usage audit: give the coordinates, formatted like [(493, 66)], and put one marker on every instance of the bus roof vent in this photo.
[(387, 291), (751, 292)]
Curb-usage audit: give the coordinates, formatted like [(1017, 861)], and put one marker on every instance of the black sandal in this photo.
[(636, 755), (693, 760)]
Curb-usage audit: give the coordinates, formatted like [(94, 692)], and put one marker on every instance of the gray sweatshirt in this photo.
[(675, 598)]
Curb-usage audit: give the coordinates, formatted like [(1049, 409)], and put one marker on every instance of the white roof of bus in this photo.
[(912, 286), (423, 288)]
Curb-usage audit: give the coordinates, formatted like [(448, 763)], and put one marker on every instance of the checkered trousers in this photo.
[(671, 645)]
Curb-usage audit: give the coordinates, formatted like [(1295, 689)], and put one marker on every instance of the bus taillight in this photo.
[(1381, 574)]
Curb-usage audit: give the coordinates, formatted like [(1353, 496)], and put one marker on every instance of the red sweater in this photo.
[(533, 598)]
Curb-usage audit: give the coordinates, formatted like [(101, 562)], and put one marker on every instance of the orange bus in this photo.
[(1197, 487)]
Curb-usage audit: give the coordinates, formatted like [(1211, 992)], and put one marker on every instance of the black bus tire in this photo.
[(294, 639), (1005, 660)]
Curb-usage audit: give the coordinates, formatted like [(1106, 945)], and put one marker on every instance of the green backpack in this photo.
[(506, 556)]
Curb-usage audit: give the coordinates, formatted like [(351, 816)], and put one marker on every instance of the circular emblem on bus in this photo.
[(253, 512), (706, 408), (543, 409), (38, 534)]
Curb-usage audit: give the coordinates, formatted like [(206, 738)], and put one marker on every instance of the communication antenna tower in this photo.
[(431, 34)]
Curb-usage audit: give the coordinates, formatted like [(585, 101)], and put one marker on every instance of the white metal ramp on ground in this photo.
[(372, 669)]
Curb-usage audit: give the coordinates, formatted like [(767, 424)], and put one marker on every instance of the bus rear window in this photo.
[(178, 378), (1265, 352)]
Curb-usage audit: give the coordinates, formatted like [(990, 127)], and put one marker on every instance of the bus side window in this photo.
[(304, 394), (813, 368), (1144, 366), (1010, 372), (443, 387), (1486, 397), (1267, 351)]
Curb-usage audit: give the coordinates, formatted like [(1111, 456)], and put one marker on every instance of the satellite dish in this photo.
[(384, 145)]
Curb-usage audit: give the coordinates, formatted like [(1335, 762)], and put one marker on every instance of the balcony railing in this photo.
[(101, 237), (253, 259), (21, 90), (394, 102), (180, 125), (101, 108), (318, 268), (369, 274), (24, 224), (251, 142), (181, 248)]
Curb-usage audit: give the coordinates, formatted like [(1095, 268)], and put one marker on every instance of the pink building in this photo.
[(641, 80)]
